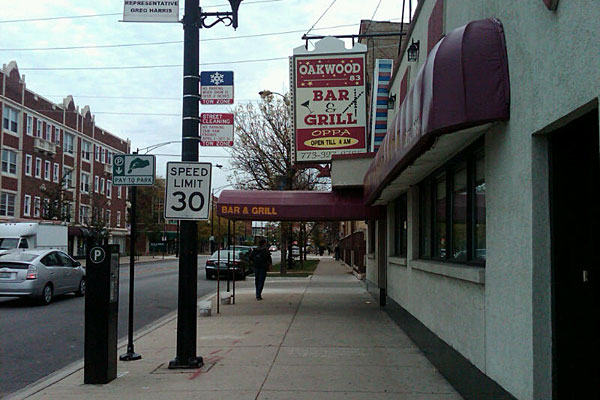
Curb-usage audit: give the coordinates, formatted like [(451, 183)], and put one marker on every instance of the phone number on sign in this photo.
[(323, 154)]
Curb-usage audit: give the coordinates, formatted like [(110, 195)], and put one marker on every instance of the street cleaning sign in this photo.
[(216, 129), (151, 11), (330, 108), (216, 87), (133, 170), (188, 190)]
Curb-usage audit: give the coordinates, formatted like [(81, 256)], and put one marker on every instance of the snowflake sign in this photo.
[(216, 87), (216, 79)]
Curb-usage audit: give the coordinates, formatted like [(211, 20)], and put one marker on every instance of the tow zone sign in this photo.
[(188, 190)]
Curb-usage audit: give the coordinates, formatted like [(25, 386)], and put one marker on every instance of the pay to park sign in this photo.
[(216, 129), (330, 101), (133, 170), (188, 190)]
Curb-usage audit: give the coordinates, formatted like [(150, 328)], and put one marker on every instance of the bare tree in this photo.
[(262, 155)]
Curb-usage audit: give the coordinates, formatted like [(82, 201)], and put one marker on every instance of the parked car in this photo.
[(40, 274), (238, 265)]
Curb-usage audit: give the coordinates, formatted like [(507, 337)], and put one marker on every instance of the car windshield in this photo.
[(18, 256), (8, 243)]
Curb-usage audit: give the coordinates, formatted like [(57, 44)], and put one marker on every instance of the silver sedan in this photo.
[(40, 274)]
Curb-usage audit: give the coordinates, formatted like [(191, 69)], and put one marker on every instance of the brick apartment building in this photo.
[(57, 148)]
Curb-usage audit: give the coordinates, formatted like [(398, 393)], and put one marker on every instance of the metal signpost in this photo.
[(216, 87), (133, 170), (216, 129)]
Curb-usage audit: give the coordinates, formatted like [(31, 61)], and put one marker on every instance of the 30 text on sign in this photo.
[(188, 190)]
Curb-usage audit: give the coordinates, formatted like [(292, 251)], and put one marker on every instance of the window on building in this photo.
[(46, 209), (9, 162), (86, 150), (119, 192), (10, 119), (28, 164), (109, 189), (452, 210), (27, 206), (38, 167), (38, 128), (47, 166), (68, 143), (84, 214), (96, 184), (7, 204), (85, 182), (57, 132), (400, 225), (37, 205), (56, 173), (102, 155), (97, 152), (101, 185), (118, 218), (108, 215), (29, 129), (67, 177), (49, 132), (108, 157)]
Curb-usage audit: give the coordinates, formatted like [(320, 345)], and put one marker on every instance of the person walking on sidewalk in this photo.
[(261, 261)]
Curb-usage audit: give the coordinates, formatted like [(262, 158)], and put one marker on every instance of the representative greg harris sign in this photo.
[(151, 11)]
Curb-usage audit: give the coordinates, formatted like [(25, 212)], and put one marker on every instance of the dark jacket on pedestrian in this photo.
[(261, 258)]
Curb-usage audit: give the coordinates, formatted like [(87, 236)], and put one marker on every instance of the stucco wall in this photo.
[(504, 326)]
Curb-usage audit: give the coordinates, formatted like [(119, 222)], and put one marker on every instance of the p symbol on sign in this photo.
[(97, 255)]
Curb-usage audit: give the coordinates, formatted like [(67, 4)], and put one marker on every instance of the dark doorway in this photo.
[(575, 216)]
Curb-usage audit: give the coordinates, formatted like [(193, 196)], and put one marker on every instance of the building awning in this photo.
[(78, 231), (295, 206), (464, 83)]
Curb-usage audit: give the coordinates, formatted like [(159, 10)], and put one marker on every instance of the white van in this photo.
[(31, 235)]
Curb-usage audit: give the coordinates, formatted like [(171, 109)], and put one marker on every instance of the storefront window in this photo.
[(400, 226), (439, 250), (452, 210), (459, 213), (479, 234)]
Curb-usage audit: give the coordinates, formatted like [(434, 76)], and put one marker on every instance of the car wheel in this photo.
[(208, 276), (81, 291), (46, 295)]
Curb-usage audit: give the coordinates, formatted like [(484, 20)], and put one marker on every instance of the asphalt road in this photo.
[(36, 340)]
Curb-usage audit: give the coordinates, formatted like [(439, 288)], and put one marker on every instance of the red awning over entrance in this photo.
[(295, 206), (463, 83)]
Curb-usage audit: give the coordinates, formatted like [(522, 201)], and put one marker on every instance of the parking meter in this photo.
[(101, 311)]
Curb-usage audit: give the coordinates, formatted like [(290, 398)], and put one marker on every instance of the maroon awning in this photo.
[(295, 206), (463, 83)]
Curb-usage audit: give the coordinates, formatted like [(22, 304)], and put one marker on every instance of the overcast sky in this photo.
[(276, 27)]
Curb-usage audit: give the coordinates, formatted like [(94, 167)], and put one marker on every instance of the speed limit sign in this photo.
[(188, 190)]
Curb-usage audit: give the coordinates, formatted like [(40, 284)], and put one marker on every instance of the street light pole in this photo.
[(193, 20)]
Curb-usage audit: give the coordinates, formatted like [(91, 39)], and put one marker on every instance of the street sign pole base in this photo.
[(130, 356), (193, 363)]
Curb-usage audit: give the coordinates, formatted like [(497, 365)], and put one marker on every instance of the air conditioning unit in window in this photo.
[(108, 168)]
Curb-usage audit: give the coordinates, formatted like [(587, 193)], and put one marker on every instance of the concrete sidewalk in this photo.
[(319, 338)]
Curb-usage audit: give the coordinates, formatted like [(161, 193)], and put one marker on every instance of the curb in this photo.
[(75, 366)]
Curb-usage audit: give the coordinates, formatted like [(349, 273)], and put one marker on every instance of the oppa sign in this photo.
[(330, 100)]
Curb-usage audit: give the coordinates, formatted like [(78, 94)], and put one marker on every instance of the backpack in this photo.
[(257, 258)]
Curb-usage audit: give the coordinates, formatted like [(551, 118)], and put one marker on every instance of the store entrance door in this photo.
[(575, 216)]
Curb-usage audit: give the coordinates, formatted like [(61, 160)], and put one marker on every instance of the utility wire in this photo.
[(322, 15), (9, 21), (121, 67), (105, 46)]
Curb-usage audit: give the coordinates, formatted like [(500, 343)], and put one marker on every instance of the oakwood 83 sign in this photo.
[(329, 101)]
